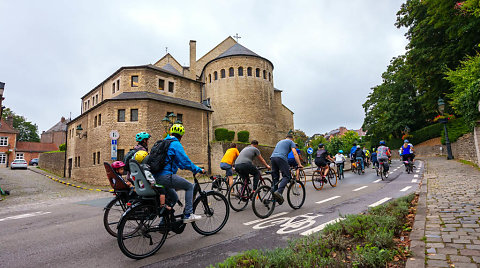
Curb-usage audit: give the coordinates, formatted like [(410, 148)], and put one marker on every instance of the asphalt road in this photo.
[(71, 233)]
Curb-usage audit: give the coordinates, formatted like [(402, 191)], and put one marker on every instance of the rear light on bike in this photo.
[(129, 204), (133, 178)]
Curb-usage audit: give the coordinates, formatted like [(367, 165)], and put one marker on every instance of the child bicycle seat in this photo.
[(142, 185), (116, 181)]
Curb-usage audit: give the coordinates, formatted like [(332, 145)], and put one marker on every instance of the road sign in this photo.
[(310, 150), (114, 142), (114, 135), (113, 151)]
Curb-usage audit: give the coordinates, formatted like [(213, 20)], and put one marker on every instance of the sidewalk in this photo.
[(446, 232)]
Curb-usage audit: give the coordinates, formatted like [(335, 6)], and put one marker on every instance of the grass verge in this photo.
[(378, 238), (466, 162)]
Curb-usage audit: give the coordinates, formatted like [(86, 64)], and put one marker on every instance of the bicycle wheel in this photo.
[(220, 185), (302, 177), (138, 232), (317, 180), (332, 177), (359, 170), (381, 173), (213, 207), (266, 181), (113, 212), (238, 196), (263, 202), (296, 194)]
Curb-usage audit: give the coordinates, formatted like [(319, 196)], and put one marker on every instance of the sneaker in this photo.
[(386, 175), (191, 217), (363, 171), (278, 197)]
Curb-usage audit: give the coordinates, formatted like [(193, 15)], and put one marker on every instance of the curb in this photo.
[(70, 184)]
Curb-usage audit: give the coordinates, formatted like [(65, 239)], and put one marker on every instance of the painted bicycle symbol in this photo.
[(289, 224)]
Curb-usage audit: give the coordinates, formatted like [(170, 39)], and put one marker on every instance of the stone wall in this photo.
[(53, 162), (464, 148)]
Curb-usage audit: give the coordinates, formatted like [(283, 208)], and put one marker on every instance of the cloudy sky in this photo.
[(326, 54)]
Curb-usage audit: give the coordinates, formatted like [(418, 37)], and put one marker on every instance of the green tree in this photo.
[(300, 138), (28, 130)]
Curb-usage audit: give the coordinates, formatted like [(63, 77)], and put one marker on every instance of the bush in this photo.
[(426, 133), (456, 128), (221, 134), (243, 136), (230, 135), (62, 147)]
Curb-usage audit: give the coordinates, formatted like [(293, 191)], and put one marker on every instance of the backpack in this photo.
[(158, 155), (128, 157)]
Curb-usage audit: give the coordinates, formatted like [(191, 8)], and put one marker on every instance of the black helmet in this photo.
[(321, 145)]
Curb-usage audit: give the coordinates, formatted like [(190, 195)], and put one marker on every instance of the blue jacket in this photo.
[(352, 151), (180, 159)]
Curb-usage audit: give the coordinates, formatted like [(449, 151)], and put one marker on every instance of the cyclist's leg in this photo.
[(284, 168), (228, 172), (176, 182), (275, 173), (252, 170)]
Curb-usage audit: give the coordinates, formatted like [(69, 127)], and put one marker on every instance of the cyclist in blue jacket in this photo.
[(178, 159)]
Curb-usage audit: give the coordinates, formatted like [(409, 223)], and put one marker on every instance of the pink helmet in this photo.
[(117, 164)]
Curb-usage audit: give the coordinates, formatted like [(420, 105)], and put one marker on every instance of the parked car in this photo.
[(33, 162), (19, 163)]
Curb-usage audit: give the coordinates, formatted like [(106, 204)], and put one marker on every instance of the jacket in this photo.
[(359, 153), (177, 159)]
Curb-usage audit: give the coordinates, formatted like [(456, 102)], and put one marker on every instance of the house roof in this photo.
[(60, 126), (25, 146), (153, 96), (169, 68), (277, 90), (6, 128)]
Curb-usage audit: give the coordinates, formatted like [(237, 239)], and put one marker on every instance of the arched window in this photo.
[(230, 72), (249, 71), (240, 71), (210, 78), (215, 74), (257, 72), (222, 73), (269, 76), (264, 74)]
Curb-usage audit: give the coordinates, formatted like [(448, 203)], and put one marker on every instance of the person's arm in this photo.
[(182, 160), (296, 158), (263, 161)]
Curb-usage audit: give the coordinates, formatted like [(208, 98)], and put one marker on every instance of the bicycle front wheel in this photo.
[(265, 181), (139, 233), (263, 202), (296, 194), (302, 177), (113, 212), (317, 180), (238, 196), (213, 207), (332, 177)]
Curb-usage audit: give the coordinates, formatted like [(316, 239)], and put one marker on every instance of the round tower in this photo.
[(239, 84)]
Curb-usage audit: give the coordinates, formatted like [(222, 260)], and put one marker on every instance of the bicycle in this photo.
[(144, 227), (264, 202), (408, 166), (220, 183), (381, 170), (358, 167), (240, 193), (318, 180), (301, 176), (340, 171)]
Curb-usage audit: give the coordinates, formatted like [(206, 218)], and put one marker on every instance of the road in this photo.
[(71, 233)]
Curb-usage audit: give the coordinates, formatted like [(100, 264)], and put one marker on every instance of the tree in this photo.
[(300, 138), (28, 131)]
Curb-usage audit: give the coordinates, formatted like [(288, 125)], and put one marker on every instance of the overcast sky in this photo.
[(326, 54)]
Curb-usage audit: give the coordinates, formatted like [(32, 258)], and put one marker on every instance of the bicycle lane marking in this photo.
[(269, 218), (377, 181), (379, 202), (414, 180), (28, 215), (289, 224), (405, 189), (360, 188), (321, 226), (328, 199)]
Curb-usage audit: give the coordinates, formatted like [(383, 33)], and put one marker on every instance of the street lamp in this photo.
[(169, 120), (441, 109), (2, 88), (79, 132)]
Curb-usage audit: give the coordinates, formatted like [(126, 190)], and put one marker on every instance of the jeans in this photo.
[(175, 182), (361, 161), (247, 169), (280, 165), (228, 169)]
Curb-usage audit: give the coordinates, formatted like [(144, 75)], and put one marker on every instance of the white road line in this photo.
[(21, 216), (360, 188), (377, 181), (415, 176), (418, 171), (271, 217), (380, 202), (405, 189), (328, 199), (320, 227), (414, 180)]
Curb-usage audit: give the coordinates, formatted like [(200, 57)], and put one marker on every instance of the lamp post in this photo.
[(441, 109), (169, 120), (2, 88)]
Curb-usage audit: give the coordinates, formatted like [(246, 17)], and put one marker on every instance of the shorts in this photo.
[(320, 163), (227, 167), (292, 162), (408, 157)]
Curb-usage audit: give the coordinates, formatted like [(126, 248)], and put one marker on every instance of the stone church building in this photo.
[(229, 87)]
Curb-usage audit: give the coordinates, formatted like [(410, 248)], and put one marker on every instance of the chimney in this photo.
[(193, 59), (62, 119), (10, 120)]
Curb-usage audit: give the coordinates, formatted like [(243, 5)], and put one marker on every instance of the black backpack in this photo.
[(158, 155), (128, 157)]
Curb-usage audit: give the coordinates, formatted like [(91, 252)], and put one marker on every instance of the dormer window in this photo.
[(134, 80)]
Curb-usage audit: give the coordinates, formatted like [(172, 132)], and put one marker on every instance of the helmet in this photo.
[(117, 164), (140, 155), (320, 145), (141, 136), (358, 146), (382, 142), (178, 129), (406, 141), (341, 151)]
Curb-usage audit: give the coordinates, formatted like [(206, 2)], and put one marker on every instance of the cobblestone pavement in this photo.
[(451, 216)]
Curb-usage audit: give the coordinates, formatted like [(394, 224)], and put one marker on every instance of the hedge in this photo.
[(221, 134), (243, 136), (426, 133), (230, 135), (456, 128)]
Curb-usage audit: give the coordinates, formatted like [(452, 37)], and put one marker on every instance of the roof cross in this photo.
[(236, 37)]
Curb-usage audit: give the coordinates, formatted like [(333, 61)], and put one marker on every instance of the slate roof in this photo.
[(6, 128), (25, 146), (153, 96), (168, 67), (60, 126), (237, 50)]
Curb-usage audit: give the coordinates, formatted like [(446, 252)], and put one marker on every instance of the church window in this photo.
[(99, 119), (121, 115), (95, 122), (118, 84), (113, 88), (134, 80), (222, 73), (170, 86), (249, 71), (210, 78), (133, 115), (161, 84), (264, 74), (180, 117), (240, 71), (98, 157), (215, 74), (257, 72), (269, 76), (230, 72), (94, 158), (88, 104)]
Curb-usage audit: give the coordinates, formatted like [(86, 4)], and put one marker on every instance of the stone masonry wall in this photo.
[(53, 162), (464, 148)]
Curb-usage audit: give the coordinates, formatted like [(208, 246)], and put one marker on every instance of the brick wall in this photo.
[(53, 162)]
